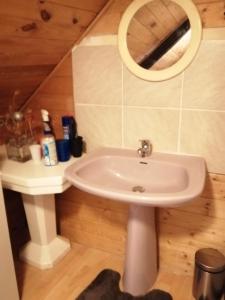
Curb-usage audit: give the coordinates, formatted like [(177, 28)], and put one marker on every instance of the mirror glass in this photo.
[(158, 39), (158, 34)]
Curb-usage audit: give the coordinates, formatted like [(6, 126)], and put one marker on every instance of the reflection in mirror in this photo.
[(158, 34)]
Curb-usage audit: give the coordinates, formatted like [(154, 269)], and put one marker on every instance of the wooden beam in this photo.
[(165, 46)]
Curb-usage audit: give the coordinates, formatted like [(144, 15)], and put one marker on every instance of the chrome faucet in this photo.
[(146, 148)]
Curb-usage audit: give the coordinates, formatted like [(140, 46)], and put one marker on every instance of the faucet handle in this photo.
[(145, 143), (146, 148)]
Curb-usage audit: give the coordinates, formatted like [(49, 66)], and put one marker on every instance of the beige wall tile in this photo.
[(99, 125), (158, 125), (97, 75), (154, 94), (203, 134), (204, 83), (98, 82)]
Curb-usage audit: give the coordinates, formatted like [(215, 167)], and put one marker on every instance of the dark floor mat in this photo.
[(106, 287)]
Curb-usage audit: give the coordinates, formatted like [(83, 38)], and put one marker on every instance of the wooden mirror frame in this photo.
[(182, 63)]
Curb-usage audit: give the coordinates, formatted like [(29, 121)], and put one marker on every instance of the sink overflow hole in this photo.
[(138, 188), (143, 163)]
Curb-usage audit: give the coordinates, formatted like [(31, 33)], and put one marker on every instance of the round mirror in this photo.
[(159, 38)]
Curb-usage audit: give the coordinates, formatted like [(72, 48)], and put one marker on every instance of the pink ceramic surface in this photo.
[(120, 174), (158, 180)]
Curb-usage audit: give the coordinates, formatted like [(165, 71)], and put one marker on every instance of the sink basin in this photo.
[(158, 180)]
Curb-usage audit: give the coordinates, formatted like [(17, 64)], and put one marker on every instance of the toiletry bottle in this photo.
[(48, 141), (73, 128), (69, 127), (76, 142), (66, 127)]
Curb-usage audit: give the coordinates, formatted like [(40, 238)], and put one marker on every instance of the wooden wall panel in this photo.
[(34, 36), (89, 5), (92, 221), (101, 224), (212, 13), (56, 96), (56, 93)]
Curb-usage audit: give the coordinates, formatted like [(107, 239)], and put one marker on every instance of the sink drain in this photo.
[(138, 188)]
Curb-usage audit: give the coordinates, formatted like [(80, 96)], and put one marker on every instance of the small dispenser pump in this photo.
[(46, 122)]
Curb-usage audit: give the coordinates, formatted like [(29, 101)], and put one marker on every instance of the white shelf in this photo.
[(32, 178)]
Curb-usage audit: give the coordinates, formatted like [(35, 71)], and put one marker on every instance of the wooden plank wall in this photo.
[(34, 36), (101, 223), (92, 221), (56, 96), (198, 225)]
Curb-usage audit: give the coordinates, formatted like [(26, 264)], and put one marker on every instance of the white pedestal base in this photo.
[(45, 256), (141, 251), (45, 247)]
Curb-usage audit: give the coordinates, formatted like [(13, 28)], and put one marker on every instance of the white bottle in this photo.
[(48, 141)]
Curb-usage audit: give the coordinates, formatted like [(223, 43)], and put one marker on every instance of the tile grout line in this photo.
[(130, 106), (205, 110), (180, 114), (99, 105), (153, 108), (122, 104), (73, 80)]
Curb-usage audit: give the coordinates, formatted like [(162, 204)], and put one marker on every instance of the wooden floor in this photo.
[(75, 271)]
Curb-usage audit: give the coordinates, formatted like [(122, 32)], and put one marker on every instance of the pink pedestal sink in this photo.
[(159, 180)]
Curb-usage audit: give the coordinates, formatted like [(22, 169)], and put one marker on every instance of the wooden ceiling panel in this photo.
[(29, 71), (178, 13), (212, 13), (37, 29), (34, 36), (150, 21), (151, 25), (94, 6), (161, 12)]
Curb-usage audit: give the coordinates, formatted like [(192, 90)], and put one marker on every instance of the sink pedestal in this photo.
[(45, 247), (141, 250)]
